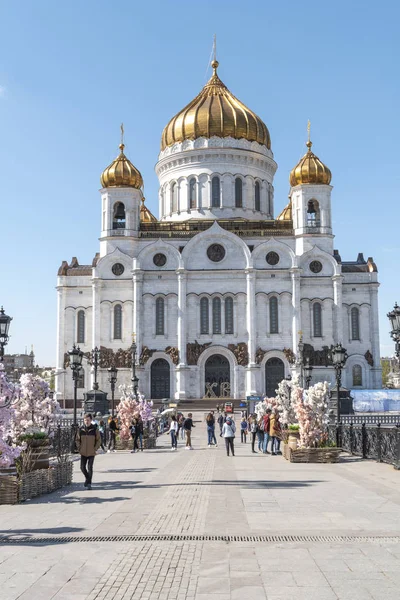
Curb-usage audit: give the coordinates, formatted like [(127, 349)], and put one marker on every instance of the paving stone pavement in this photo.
[(203, 492)]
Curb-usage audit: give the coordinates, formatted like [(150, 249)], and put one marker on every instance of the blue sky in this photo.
[(71, 72)]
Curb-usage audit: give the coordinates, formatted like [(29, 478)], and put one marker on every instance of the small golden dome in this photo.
[(310, 170), (146, 216), (121, 173), (215, 111), (286, 214)]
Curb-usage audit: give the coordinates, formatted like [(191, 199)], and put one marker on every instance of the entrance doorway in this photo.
[(274, 373), (160, 378), (217, 377)]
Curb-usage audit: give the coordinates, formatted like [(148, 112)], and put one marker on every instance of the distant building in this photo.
[(17, 364)]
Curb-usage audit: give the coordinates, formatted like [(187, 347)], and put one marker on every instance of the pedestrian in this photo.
[(113, 428), (187, 425), (210, 428), (182, 429), (265, 426), (140, 428), (102, 431), (253, 431), (221, 422), (228, 432), (260, 434), (173, 430), (243, 430), (214, 439), (88, 441), (134, 435), (275, 433)]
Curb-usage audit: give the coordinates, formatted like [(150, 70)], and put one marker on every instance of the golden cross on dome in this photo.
[(309, 142), (122, 133), (215, 47)]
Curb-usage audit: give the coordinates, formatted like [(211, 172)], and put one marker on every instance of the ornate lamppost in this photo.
[(339, 357), (112, 378), (5, 321), (134, 379), (95, 355), (75, 362), (308, 369), (394, 318)]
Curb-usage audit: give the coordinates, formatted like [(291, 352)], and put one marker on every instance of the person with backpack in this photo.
[(187, 425), (173, 431), (243, 430), (228, 432)]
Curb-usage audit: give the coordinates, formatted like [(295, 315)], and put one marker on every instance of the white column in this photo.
[(96, 320), (182, 285), (376, 372), (60, 376), (296, 309), (338, 308), (251, 374), (137, 308)]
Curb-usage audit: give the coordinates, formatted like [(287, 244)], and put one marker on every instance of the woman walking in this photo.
[(102, 431), (210, 428), (228, 432), (275, 433), (260, 435), (173, 430)]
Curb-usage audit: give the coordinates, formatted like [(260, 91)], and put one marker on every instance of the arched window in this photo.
[(80, 337), (118, 322), (238, 192), (160, 316), (192, 193), (357, 375), (215, 192), (317, 320), (313, 214), (257, 196), (355, 323), (229, 315), (273, 315), (216, 306), (174, 197), (119, 216), (81, 378), (204, 325)]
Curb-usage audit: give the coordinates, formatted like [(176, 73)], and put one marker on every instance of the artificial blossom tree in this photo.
[(130, 408)]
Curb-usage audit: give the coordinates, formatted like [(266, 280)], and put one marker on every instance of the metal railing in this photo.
[(368, 441), (373, 419)]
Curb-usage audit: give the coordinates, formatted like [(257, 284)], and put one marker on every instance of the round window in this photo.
[(315, 266), (118, 269), (159, 259), (216, 252), (272, 258)]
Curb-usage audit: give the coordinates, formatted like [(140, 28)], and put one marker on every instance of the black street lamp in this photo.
[(394, 318), (339, 356), (308, 369), (5, 321), (95, 355), (112, 378), (134, 379), (75, 362)]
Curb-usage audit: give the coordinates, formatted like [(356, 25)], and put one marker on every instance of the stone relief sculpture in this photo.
[(369, 358), (145, 354), (260, 355), (194, 350), (290, 355), (241, 353), (173, 353)]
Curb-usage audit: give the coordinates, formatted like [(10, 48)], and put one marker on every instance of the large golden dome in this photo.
[(146, 216), (215, 112), (121, 173), (310, 170)]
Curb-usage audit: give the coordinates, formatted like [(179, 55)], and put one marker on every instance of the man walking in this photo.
[(221, 421), (187, 425), (228, 432), (88, 442), (113, 427)]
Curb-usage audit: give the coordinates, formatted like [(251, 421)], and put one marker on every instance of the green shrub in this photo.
[(294, 427), (36, 435)]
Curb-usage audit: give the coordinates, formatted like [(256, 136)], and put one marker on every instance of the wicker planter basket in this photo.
[(311, 455), (39, 450), (35, 483), (148, 443)]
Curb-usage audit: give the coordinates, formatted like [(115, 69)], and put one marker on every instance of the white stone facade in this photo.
[(240, 301)]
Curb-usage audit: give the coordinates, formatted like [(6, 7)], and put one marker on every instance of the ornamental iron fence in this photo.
[(368, 441)]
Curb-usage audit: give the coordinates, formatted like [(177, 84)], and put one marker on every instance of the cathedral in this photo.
[(218, 292)]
